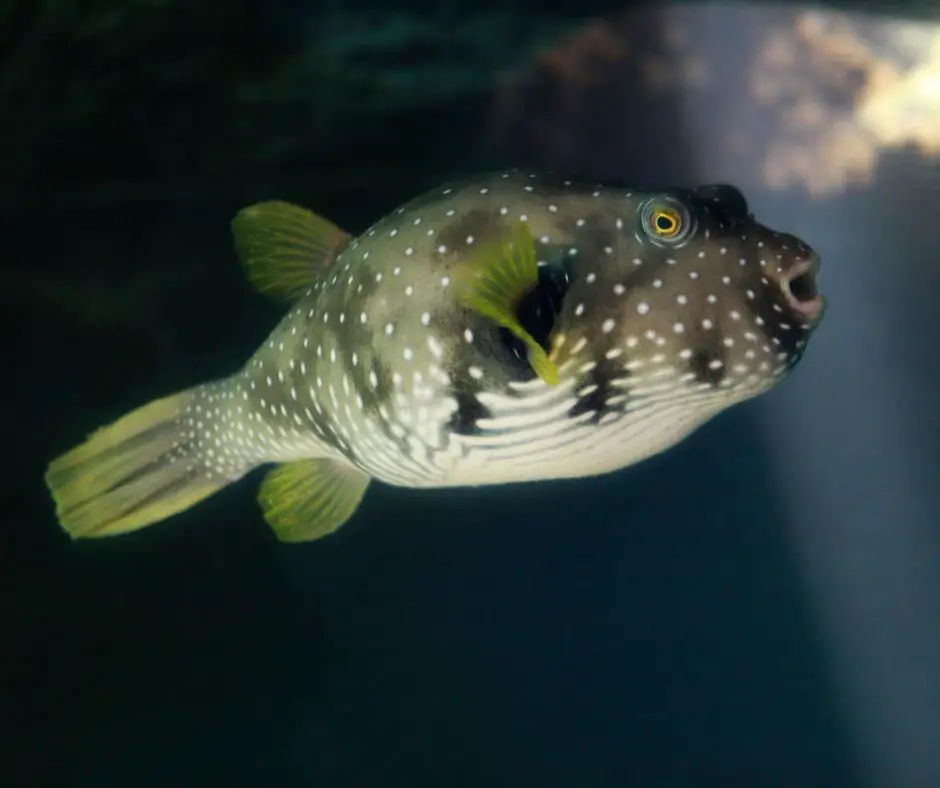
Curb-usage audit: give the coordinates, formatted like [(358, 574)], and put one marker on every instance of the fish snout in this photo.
[(800, 289)]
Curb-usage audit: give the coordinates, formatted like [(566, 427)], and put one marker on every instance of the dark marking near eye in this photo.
[(596, 235), (725, 202)]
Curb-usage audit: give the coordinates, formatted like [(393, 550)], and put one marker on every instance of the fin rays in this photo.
[(309, 499), (141, 469), (494, 281), (284, 248)]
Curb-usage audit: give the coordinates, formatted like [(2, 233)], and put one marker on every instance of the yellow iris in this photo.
[(665, 222)]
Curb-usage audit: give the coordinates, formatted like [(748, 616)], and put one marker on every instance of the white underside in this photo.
[(534, 439)]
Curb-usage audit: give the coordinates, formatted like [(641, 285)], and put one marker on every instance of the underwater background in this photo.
[(759, 606)]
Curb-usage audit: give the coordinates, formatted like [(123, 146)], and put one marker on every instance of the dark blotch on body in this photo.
[(374, 397), (469, 411), (709, 348), (597, 234), (591, 238), (482, 225), (597, 402), (465, 391)]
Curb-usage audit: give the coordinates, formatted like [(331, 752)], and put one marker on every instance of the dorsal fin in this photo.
[(284, 248)]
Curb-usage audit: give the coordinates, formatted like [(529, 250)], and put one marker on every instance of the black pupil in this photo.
[(665, 223)]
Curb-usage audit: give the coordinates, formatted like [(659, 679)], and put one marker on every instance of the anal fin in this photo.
[(309, 499)]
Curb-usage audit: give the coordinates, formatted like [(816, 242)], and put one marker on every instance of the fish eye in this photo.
[(665, 221)]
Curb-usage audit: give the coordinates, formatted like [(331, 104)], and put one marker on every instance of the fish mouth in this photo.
[(799, 287)]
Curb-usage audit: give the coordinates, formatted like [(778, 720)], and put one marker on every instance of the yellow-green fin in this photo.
[(310, 499), (141, 469), (284, 248), (495, 278)]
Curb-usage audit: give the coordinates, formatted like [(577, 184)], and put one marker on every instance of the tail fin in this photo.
[(148, 465)]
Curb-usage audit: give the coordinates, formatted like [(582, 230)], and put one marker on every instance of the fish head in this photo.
[(685, 285), (779, 264)]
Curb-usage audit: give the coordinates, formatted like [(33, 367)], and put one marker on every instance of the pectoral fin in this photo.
[(310, 499), (494, 279)]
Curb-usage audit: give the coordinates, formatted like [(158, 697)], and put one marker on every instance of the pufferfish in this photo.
[(509, 328)]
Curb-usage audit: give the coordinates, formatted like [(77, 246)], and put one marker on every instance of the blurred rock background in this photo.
[(107, 100)]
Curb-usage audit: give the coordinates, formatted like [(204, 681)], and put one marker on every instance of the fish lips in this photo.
[(800, 290)]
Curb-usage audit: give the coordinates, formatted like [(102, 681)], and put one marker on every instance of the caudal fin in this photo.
[(143, 468)]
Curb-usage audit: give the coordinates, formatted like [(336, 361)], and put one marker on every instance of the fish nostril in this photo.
[(803, 287)]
